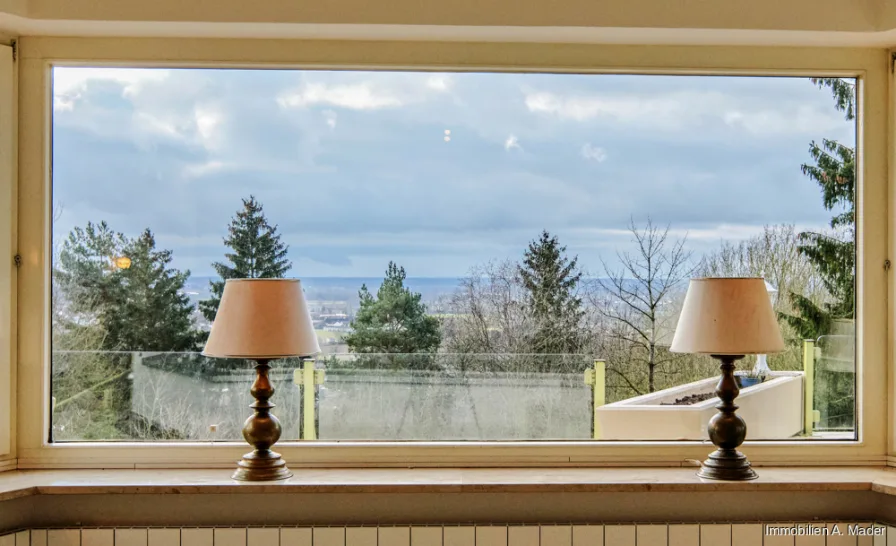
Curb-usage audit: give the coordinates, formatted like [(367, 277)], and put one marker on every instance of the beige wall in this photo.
[(840, 15)]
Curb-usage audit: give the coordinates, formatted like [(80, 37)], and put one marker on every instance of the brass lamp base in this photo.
[(262, 430), (259, 466), (729, 465), (727, 430)]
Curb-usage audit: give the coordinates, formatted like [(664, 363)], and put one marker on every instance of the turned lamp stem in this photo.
[(727, 430), (262, 430)]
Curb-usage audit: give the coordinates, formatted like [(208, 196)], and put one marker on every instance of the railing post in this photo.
[(307, 379), (808, 386), (596, 378)]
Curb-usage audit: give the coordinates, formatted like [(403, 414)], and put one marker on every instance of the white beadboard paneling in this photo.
[(193, 536), (491, 536), (808, 540), (838, 535), (881, 540), (523, 535), (262, 536), (776, 540), (295, 536), (891, 536), (64, 537), (328, 536), (458, 536), (131, 537), (97, 537), (746, 534), (684, 535), (652, 535), (230, 537), (163, 537), (8, 540), (365, 536), (390, 536), (715, 534), (619, 535), (556, 535), (23, 538), (427, 536), (587, 535), (38, 537)]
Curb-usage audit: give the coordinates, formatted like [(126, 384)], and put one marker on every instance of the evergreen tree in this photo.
[(551, 281), (395, 321), (833, 254), (154, 313), (257, 253), (138, 308)]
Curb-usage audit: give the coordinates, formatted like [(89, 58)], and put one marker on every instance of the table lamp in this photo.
[(727, 318), (262, 320)]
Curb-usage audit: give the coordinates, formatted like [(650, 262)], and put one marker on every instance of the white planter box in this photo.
[(772, 410)]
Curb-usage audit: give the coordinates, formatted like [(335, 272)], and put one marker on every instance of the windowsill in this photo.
[(23, 483)]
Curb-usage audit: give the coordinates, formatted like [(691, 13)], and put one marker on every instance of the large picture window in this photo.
[(487, 256)]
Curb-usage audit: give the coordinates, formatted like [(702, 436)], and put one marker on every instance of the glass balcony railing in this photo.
[(154, 396), (185, 396)]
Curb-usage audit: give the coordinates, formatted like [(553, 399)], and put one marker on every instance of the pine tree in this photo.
[(395, 321), (551, 280), (257, 253), (138, 308), (833, 255), (153, 313)]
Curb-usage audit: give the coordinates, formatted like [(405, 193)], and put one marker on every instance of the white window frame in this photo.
[(8, 249), (874, 242)]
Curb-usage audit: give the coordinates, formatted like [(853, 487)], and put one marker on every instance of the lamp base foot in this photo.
[(727, 464), (261, 466)]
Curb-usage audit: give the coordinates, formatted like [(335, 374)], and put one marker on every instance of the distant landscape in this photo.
[(343, 289)]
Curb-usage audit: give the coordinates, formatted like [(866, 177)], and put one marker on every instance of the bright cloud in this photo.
[(69, 83), (511, 143), (439, 82), (330, 118), (594, 153), (358, 96), (679, 109)]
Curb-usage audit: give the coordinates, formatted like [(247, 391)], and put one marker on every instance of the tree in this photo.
[(153, 313), (636, 298), (257, 253), (488, 313), (551, 281), (103, 303), (395, 321), (140, 307), (832, 254)]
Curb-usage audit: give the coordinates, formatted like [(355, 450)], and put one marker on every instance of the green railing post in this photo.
[(307, 379), (596, 378), (808, 386)]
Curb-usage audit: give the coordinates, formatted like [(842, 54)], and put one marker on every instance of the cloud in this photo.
[(511, 143), (355, 172), (358, 96), (330, 117), (675, 110), (439, 82), (70, 83), (594, 153)]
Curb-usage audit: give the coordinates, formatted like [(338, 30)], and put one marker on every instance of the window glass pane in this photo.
[(485, 256)]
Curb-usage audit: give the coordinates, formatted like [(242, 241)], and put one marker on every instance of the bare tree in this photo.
[(489, 314), (637, 299)]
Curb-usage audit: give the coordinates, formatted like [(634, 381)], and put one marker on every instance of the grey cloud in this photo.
[(178, 154)]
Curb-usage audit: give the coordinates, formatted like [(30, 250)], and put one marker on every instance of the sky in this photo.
[(439, 172)]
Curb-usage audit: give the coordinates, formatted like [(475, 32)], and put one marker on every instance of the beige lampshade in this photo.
[(262, 318), (727, 316)]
